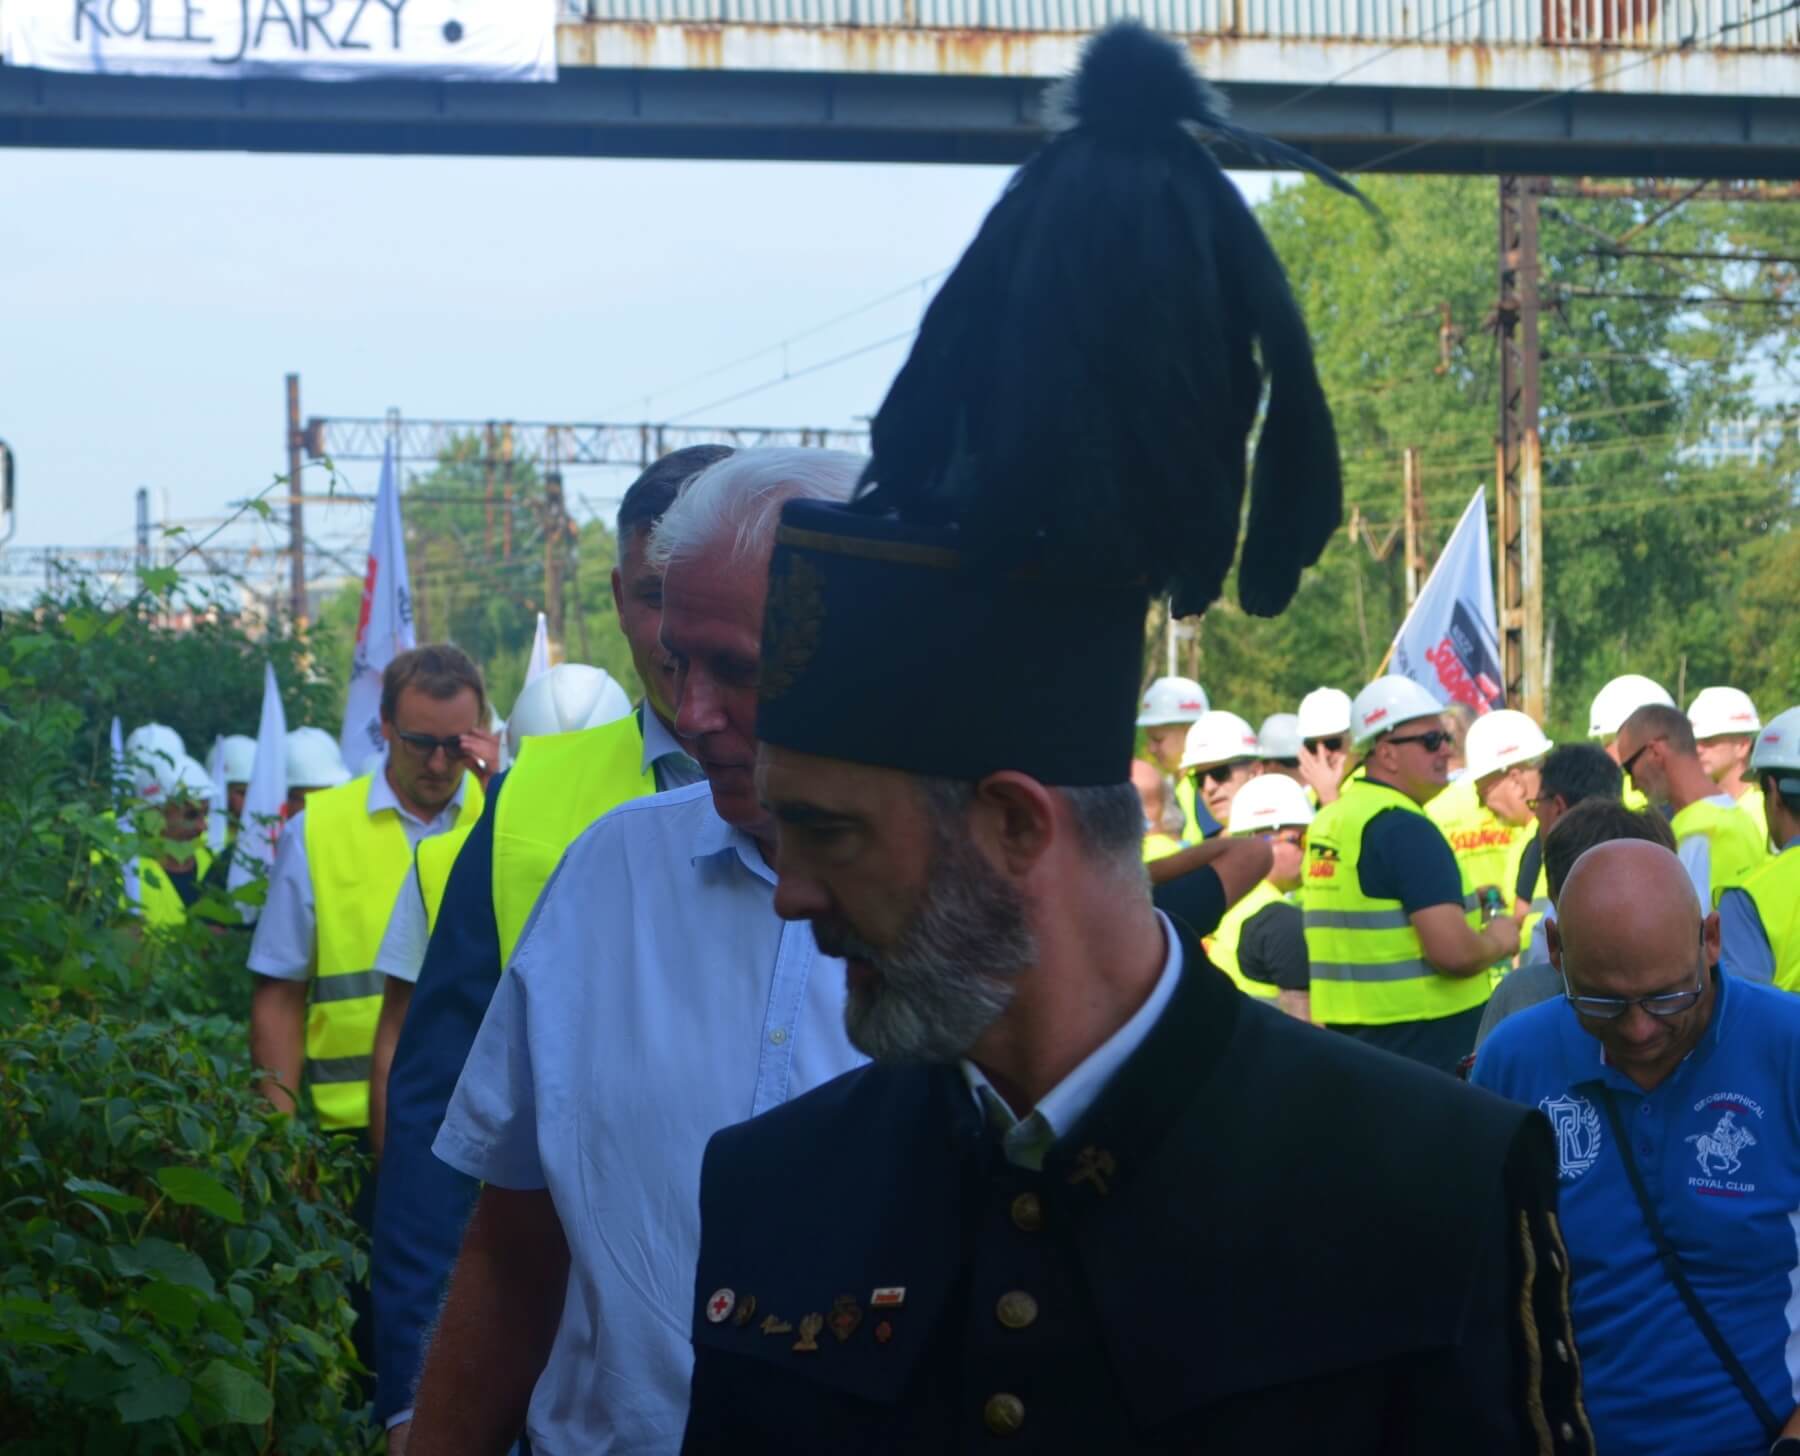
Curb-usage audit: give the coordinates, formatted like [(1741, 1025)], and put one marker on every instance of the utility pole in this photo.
[(506, 476), (1413, 510), (556, 544), (487, 490), (296, 443), (143, 528), (1518, 465)]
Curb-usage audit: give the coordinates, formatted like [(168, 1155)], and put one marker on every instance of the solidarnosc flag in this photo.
[(385, 627), (540, 650), (264, 795), (1450, 642)]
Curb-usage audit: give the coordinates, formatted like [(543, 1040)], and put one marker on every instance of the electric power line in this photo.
[(783, 378)]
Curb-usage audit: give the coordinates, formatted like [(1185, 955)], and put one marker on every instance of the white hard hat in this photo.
[(1500, 739), (1723, 712), (1619, 699), (1172, 700), (239, 754), (1778, 745), (180, 777), (153, 744), (314, 761), (1273, 801), (1324, 713), (1385, 704), (1279, 736), (565, 699), (1218, 737)]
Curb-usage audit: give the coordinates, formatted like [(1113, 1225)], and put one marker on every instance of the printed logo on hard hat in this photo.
[(1741, 716), (1772, 737), (1186, 705), (1371, 719), (1466, 669)]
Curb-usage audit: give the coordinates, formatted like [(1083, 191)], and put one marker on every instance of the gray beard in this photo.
[(949, 974)]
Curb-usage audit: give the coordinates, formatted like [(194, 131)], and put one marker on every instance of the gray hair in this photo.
[(739, 499), (1109, 821)]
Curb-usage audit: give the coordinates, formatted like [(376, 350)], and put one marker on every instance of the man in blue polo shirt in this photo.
[(1700, 1072)]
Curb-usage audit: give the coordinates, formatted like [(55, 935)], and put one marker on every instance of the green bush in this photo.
[(174, 1255)]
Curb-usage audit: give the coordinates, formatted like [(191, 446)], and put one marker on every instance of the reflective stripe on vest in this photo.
[(434, 859), (1368, 967), (1222, 944), (560, 784), (357, 861), (1775, 891), (1735, 851)]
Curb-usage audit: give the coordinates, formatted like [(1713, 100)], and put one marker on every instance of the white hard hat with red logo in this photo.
[(1385, 704), (179, 777), (1273, 801), (1777, 748), (1219, 737), (1619, 699), (1279, 736), (1723, 713), (1172, 700), (569, 697), (1324, 713), (1500, 739)]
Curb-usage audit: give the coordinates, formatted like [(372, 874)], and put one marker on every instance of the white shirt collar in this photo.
[(382, 796), (1067, 1102), (658, 740)]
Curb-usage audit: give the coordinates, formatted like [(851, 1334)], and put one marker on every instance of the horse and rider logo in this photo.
[(1577, 1128), (1722, 1146)]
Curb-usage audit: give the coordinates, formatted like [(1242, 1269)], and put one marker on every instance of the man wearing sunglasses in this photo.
[(1717, 841), (1324, 741), (1400, 956), (1671, 1088)]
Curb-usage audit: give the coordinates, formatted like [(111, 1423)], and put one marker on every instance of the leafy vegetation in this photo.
[(173, 1254)]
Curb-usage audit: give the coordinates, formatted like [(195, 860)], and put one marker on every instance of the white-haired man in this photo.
[(654, 998)]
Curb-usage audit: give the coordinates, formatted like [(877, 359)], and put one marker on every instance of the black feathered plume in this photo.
[(1083, 386)]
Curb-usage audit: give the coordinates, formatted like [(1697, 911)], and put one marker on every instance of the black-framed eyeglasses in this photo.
[(1611, 1008), (1431, 740), (423, 745), (1643, 748), (1333, 744)]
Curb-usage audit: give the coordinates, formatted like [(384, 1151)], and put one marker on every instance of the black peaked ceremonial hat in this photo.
[(1067, 441)]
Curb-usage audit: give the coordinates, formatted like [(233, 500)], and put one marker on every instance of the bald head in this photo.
[(1630, 895)]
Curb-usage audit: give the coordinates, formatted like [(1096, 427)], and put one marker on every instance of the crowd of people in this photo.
[(898, 1032)]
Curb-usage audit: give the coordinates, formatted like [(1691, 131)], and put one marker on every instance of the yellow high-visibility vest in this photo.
[(1222, 945), (1481, 840), (159, 902), (358, 861), (1775, 891), (1736, 849), (1540, 894), (1160, 846), (1368, 965), (558, 786), (434, 859), (1184, 796), (1751, 802)]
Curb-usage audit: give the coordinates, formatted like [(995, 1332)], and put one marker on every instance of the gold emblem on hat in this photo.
[(809, 1332)]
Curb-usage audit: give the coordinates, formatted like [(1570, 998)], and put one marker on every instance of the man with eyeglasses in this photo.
[(1719, 844), (1671, 1087), (1399, 954)]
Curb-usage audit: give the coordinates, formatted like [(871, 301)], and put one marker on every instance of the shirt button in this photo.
[(1562, 1352), (1566, 1431), (1017, 1310), (1003, 1414), (1027, 1213), (779, 1035)]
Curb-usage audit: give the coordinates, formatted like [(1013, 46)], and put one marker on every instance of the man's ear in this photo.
[(618, 590), (1015, 817), (1553, 942), (1709, 937)]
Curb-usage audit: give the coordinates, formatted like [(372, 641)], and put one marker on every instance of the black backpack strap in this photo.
[(1665, 1251)]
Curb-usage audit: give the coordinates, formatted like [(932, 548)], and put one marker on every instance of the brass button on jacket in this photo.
[(1003, 1413), (1016, 1309), (1027, 1213)]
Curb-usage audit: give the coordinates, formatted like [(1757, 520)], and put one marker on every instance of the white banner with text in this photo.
[(308, 40)]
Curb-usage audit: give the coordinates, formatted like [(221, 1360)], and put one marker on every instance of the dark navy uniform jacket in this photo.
[(1262, 1238)]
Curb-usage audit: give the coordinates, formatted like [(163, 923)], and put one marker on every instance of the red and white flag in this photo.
[(385, 627), (540, 650), (1450, 642)]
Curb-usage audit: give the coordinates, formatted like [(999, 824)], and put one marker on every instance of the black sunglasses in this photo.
[(1432, 741), (1220, 772), (1334, 743), (1643, 748), (423, 745)]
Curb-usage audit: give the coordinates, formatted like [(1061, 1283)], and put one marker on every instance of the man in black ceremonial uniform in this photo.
[(1087, 1198)]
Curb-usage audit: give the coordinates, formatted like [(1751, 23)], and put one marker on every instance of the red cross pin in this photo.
[(719, 1307)]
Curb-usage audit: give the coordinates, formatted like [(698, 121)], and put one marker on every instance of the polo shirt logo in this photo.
[(1722, 1144), (1576, 1124)]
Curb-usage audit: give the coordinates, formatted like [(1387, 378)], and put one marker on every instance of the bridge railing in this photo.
[(1624, 24)]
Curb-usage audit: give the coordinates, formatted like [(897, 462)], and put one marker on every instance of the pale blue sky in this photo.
[(154, 302)]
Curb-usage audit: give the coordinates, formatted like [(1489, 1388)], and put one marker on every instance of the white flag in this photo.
[(215, 818), (540, 650), (264, 795), (120, 771), (385, 628), (1450, 642)]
